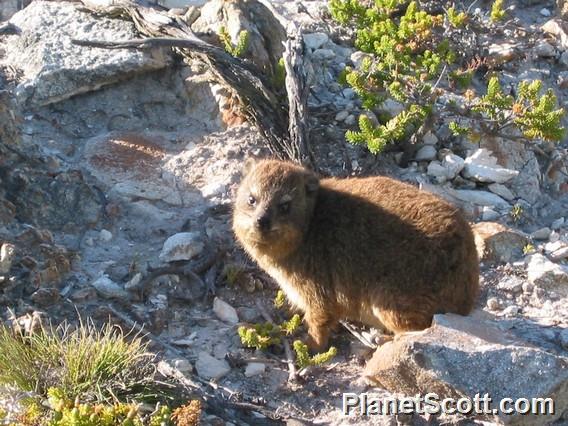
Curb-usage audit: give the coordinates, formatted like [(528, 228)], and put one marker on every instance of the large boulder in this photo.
[(54, 68), (497, 243), (464, 356)]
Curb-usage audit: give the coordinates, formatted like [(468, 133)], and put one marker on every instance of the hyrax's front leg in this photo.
[(319, 325)]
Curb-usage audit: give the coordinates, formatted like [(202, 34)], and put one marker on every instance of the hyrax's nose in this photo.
[(263, 222)]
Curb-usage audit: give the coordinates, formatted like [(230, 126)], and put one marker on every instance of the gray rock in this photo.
[(496, 243), (391, 107), (557, 224), (541, 234), (563, 337), (430, 139), (314, 41), (254, 369), (564, 59), (324, 54), (341, 115), (464, 356), (545, 50), (213, 189), (559, 30), (54, 68), (454, 164), (481, 198), (350, 120), (209, 367), (426, 153), (437, 171), (559, 254), (105, 235), (482, 166), (7, 253), (358, 57), (501, 190), (182, 246), (545, 12), (109, 289), (183, 365), (224, 311), (546, 274), (488, 214), (493, 304)]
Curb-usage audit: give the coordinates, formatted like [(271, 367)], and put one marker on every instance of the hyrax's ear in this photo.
[(312, 183), (249, 165)]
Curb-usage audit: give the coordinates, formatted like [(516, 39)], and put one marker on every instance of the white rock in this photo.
[(430, 139), (545, 50), (547, 274), (557, 224), (511, 310), (341, 115), (209, 367), (541, 234), (7, 253), (482, 166), (488, 214), (436, 170), (254, 368), (553, 237), (481, 198), (213, 189), (224, 311), (134, 281), (324, 54), (314, 41), (557, 28), (182, 246), (105, 235), (109, 289), (493, 304), (560, 254), (544, 12), (501, 190), (182, 365), (426, 153), (454, 164)]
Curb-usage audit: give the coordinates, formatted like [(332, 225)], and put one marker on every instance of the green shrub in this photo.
[(238, 49)]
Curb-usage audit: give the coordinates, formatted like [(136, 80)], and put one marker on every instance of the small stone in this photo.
[(209, 367), (437, 171), (7, 253), (109, 289), (497, 243), (482, 166), (183, 365), (501, 190), (564, 58), (358, 57), (134, 281), (545, 12), (481, 198), (558, 255), (426, 153), (341, 115), (350, 120), (547, 274), (528, 287), (554, 237), (563, 338), (182, 246), (557, 224), (348, 93), (224, 311), (324, 54), (544, 50), (84, 295), (511, 310), (392, 107), (254, 368), (105, 235), (454, 164), (563, 78), (488, 214), (314, 41), (213, 189), (493, 304), (89, 242), (541, 234), (430, 139), (46, 296)]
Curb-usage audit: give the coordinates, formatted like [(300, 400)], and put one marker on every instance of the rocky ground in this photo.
[(114, 163)]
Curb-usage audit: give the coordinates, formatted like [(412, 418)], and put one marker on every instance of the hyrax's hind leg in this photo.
[(320, 325), (404, 320)]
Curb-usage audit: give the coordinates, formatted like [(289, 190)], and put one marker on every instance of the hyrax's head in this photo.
[(273, 208)]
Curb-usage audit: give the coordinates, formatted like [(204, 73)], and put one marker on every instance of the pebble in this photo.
[(314, 41), (563, 337), (493, 304), (7, 253), (545, 50), (105, 235), (557, 224), (541, 234), (350, 120), (489, 214), (341, 115), (426, 153), (324, 54), (254, 368), (430, 139), (528, 287), (511, 310), (181, 246), (224, 311), (109, 289), (501, 190), (554, 237), (560, 254), (183, 365), (545, 12), (209, 367)]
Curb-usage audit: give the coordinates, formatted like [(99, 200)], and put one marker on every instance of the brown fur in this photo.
[(373, 250)]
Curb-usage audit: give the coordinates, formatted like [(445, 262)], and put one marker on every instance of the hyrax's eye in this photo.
[(284, 207), (251, 200)]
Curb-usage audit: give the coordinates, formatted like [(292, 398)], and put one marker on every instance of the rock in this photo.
[(7, 253), (464, 356), (558, 29), (341, 115), (314, 41), (501, 190), (358, 57), (55, 69), (562, 8), (564, 59), (511, 310), (454, 164), (558, 255), (254, 368), (545, 50), (84, 295), (557, 224), (391, 107), (493, 304), (213, 189), (211, 368), (563, 78), (482, 166), (182, 246), (105, 235), (437, 171), (134, 281), (183, 365), (545, 12), (481, 198), (496, 243), (224, 311), (46, 296), (488, 214), (109, 289), (541, 234), (503, 52), (546, 274), (350, 120), (563, 337), (426, 153), (430, 139)]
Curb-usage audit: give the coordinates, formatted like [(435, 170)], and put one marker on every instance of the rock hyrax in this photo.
[(373, 249)]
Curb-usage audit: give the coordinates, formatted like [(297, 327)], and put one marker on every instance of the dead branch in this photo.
[(282, 126), (292, 373)]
